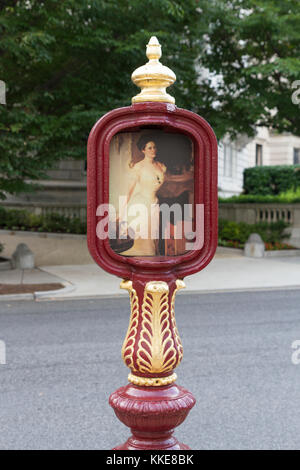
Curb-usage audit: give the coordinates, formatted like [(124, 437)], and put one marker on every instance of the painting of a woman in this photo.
[(151, 190), (145, 178)]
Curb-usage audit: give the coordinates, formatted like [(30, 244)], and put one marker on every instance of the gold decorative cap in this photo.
[(153, 78)]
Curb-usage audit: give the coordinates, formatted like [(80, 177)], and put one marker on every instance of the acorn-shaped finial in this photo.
[(153, 78)]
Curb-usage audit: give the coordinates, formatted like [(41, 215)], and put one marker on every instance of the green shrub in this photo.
[(2, 214), (288, 197), (271, 180), (54, 223), (16, 219), (233, 231), (257, 180), (59, 223), (248, 198), (239, 231)]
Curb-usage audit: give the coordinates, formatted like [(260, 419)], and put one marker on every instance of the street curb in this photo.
[(54, 295), (41, 295), (229, 290), (50, 294), (283, 253), (10, 297)]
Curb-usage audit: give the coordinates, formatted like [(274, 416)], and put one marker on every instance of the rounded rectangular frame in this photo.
[(166, 116)]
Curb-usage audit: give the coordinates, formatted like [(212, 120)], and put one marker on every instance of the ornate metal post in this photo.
[(152, 405)]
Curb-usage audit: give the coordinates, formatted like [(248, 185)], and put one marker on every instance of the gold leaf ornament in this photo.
[(129, 342), (156, 352)]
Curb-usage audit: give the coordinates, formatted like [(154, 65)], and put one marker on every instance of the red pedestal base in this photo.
[(152, 413)]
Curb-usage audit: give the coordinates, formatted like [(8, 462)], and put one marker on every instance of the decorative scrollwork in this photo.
[(129, 342), (156, 352), (179, 285), (152, 344)]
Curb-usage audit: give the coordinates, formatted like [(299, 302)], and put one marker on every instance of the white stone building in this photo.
[(266, 148)]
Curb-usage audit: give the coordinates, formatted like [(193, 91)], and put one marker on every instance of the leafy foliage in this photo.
[(288, 197), (67, 63), (253, 49), (15, 219), (239, 232), (271, 180)]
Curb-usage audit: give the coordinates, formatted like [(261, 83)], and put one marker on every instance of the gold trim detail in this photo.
[(152, 344), (129, 342), (152, 382), (153, 78), (156, 352), (179, 285)]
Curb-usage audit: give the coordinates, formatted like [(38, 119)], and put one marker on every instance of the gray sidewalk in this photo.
[(229, 270)]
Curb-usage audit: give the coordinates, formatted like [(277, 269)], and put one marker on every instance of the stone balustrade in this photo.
[(252, 213)]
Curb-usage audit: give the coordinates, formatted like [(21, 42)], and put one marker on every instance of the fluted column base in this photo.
[(152, 413)]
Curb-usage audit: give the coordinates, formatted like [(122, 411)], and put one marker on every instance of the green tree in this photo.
[(68, 62), (253, 47)]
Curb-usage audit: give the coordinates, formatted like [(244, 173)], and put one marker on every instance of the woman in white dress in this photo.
[(146, 177)]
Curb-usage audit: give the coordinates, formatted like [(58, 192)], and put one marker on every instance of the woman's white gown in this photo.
[(143, 208)]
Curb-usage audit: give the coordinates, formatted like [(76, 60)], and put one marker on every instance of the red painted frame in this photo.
[(165, 116)]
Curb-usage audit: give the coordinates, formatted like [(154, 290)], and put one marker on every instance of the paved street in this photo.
[(63, 360)]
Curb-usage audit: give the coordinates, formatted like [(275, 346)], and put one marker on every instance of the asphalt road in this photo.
[(64, 359)]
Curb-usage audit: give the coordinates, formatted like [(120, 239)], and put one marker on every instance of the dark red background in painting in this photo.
[(170, 118)]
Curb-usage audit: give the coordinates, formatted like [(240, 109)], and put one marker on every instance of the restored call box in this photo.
[(152, 220), (152, 191)]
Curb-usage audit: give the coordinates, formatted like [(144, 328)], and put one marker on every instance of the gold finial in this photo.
[(153, 78)]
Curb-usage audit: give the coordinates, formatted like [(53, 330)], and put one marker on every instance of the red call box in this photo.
[(152, 220), (155, 160)]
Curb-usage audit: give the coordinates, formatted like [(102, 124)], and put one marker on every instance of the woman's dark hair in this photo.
[(141, 144)]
